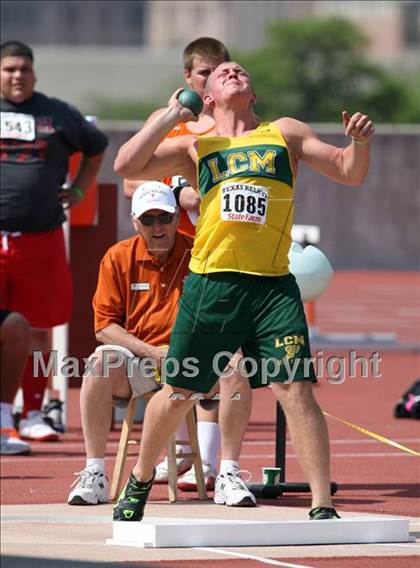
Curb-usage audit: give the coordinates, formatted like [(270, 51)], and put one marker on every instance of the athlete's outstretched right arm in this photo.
[(147, 156)]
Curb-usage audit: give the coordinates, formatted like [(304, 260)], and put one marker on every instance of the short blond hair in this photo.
[(208, 47)]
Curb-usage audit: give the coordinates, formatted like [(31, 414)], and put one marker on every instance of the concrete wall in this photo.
[(80, 74), (378, 224), (374, 226)]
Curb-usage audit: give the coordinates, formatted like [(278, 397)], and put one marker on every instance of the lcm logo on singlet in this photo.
[(250, 161), (265, 161)]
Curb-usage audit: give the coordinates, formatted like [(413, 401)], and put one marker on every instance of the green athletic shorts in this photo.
[(224, 311)]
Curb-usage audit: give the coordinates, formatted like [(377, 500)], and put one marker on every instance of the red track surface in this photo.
[(362, 301), (372, 477)]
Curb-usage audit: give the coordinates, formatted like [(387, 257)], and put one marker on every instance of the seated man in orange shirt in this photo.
[(135, 304), (136, 300)]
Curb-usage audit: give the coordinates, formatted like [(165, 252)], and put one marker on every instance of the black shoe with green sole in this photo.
[(320, 513), (132, 501)]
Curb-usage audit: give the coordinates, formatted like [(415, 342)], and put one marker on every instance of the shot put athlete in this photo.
[(200, 58), (240, 291)]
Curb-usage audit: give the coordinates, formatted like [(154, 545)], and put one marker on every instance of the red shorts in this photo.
[(35, 277)]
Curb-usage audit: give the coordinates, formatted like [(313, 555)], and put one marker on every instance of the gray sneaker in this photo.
[(91, 487), (11, 444), (230, 490)]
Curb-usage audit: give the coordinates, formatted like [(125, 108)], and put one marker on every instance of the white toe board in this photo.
[(157, 532)]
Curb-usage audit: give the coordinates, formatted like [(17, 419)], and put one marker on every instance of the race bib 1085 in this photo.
[(244, 202), (17, 126)]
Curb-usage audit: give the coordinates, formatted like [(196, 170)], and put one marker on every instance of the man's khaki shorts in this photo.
[(140, 383)]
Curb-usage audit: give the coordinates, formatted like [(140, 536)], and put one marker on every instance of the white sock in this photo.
[(209, 441), (6, 418), (228, 466), (182, 434), (96, 462)]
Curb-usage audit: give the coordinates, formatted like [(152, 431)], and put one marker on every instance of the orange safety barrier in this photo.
[(310, 314)]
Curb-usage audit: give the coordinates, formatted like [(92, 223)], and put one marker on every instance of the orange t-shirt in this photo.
[(185, 225), (138, 293)]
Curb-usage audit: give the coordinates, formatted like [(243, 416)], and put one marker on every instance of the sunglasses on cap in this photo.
[(149, 220)]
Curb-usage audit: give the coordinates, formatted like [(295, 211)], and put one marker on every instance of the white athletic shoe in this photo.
[(36, 429), (91, 487), (11, 444), (230, 490), (188, 482), (182, 465)]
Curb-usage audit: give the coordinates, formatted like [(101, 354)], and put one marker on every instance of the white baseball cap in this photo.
[(153, 195)]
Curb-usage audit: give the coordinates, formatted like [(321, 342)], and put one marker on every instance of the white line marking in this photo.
[(80, 445), (400, 454), (252, 557), (332, 441), (354, 441), (44, 458), (339, 455)]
